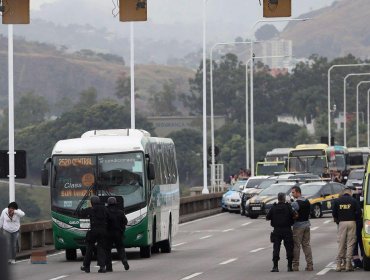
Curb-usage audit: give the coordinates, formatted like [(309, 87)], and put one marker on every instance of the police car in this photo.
[(232, 198), (262, 203), (321, 195)]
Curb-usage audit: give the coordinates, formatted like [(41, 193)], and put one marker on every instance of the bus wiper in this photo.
[(78, 208)]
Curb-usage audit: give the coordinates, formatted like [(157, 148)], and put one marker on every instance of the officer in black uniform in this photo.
[(116, 228), (98, 215), (4, 267), (282, 217), (359, 245)]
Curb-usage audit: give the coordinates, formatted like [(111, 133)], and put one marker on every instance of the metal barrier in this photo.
[(40, 234)]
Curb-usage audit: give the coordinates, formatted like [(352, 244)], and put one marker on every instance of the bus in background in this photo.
[(278, 154), (311, 158), (129, 164), (269, 168), (341, 160), (357, 157)]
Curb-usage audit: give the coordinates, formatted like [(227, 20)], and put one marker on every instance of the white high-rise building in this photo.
[(277, 48)]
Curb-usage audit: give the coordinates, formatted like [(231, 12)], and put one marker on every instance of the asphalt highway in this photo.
[(220, 247)]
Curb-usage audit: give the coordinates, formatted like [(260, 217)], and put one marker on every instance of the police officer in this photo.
[(116, 228), (346, 210), (301, 229), (359, 245), (4, 268), (98, 215), (281, 215)]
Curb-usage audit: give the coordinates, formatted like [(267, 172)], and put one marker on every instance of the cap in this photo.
[(111, 200)]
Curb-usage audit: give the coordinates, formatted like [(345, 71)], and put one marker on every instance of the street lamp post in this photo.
[(329, 87), (246, 106), (11, 151), (132, 74), (205, 187), (345, 104), (357, 115), (251, 78)]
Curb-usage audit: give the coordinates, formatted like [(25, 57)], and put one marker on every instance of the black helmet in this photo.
[(112, 200), (95, 199)]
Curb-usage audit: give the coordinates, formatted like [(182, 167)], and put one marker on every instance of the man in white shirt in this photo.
[(10, 223)]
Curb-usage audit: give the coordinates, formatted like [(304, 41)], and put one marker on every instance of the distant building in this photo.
[(277, 48), (302, 123), (165, 125)]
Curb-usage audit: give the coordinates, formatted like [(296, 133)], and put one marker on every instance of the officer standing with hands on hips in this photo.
[(116, 227), (99, 216), (346, 210), (282, 217)]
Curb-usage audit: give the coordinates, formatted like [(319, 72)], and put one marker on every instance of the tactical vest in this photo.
[(304, 210)]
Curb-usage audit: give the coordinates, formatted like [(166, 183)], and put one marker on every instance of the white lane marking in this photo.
[(227, 230), (314, 228), (228, 261), (199, 220), (329, 267), (324, 271), (192, 276), (59, 277), (327, 221), (205, 237), (246, 224), (256, 250), (56, 254), (26, 260), (179, 244)]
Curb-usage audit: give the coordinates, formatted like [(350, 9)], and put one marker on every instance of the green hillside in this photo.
[(55, 73), (34, 201), (333, 31)]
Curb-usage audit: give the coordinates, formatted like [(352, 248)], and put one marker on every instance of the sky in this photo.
[(226, 19)]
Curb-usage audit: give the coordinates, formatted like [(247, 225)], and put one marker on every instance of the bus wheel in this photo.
[(146, 251), (316, 211), (166, 246), (366, 263), (71, 254)]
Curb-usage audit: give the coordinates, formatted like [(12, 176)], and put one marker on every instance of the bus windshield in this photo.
[(313, 165), (340, 161), (112, 174), (269, 168)]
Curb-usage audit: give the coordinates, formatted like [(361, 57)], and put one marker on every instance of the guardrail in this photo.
[(40, 234)]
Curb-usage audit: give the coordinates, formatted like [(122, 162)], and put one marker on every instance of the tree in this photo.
[(88, 97), (30, 109), (123, 88), (188, 144), (163, 102)]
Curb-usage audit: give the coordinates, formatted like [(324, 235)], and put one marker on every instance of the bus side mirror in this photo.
[(44, 177), (151, 171)]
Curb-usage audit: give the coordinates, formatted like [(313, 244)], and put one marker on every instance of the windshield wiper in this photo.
[(78, 208)]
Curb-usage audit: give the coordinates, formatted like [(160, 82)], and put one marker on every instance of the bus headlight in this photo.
[(61, 224), (136, 220), (367, 226)]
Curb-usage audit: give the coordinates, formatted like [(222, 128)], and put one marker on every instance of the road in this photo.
[(220, 247)]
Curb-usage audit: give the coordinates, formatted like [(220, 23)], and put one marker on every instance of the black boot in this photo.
[(275, 268), (290, 266)]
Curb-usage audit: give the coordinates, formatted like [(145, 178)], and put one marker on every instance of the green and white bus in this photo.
[(125, 163)]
